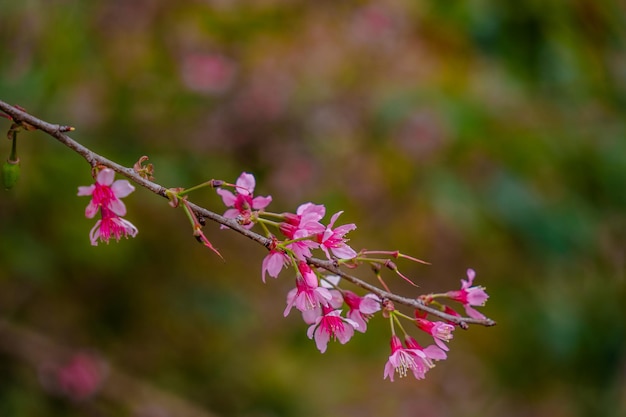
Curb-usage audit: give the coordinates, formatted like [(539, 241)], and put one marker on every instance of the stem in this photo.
[(196, 187), (275, 215), (395, 315), (13, 156), (265, 221)]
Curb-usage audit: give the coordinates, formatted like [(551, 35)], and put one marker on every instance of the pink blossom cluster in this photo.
[(319, 297), (105, 198)]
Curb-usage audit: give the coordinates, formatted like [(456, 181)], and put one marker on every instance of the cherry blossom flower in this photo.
[(331, 324), (111, 226), (470, 296), (335, 241), (361, 308), (105, 197), (419, 360), (431, 351), (308, 296), (440, 331), (106, 193), (78, 379), (403, 359), (242, 201), (305, 223), (307, 216), (273, 263), (81, 377)]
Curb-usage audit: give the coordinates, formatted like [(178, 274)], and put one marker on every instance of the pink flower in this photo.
[(470, 296), (361, 308), (308, 296), (78, 379), (106, 193), (273, 263), (432, 352), (331, 324), (307, 214), (403, 359), (335, 241), (305, 223), (105, 197), (111, 226), (242, 201), (440, 331), (207, 73), (419, 360)]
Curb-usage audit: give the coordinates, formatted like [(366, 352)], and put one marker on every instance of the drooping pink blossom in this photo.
[(242, 201), (111, 226), (105, 197), (331, 324), (361, 309), (470, 296), (273, 263), (333, 239), (308, 296), (419, 360), (440, 331), (106, 193), (403, 359), (431, 351)]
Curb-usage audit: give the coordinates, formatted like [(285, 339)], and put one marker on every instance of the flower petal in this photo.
[(91, 210), (245, 184), (105, 176), (321, 339), (121, 188), (227, 197), (259, 203), (473, 313), (370, 304), (343, 252), (86, 190), (118, 207)]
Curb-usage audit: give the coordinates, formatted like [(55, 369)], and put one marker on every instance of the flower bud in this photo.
[(10, 173)]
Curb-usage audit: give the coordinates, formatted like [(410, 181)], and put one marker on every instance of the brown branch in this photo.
[(463, 322), (94, 159)]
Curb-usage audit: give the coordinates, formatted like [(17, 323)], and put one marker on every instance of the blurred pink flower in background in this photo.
[(209, 73), (77, 379)]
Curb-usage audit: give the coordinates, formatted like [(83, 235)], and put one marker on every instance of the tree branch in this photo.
[(94, 159)]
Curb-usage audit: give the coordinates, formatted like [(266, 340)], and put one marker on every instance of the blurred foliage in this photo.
[(476, 134)]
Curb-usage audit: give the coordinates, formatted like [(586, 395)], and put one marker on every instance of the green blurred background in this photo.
[(478, 134)]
